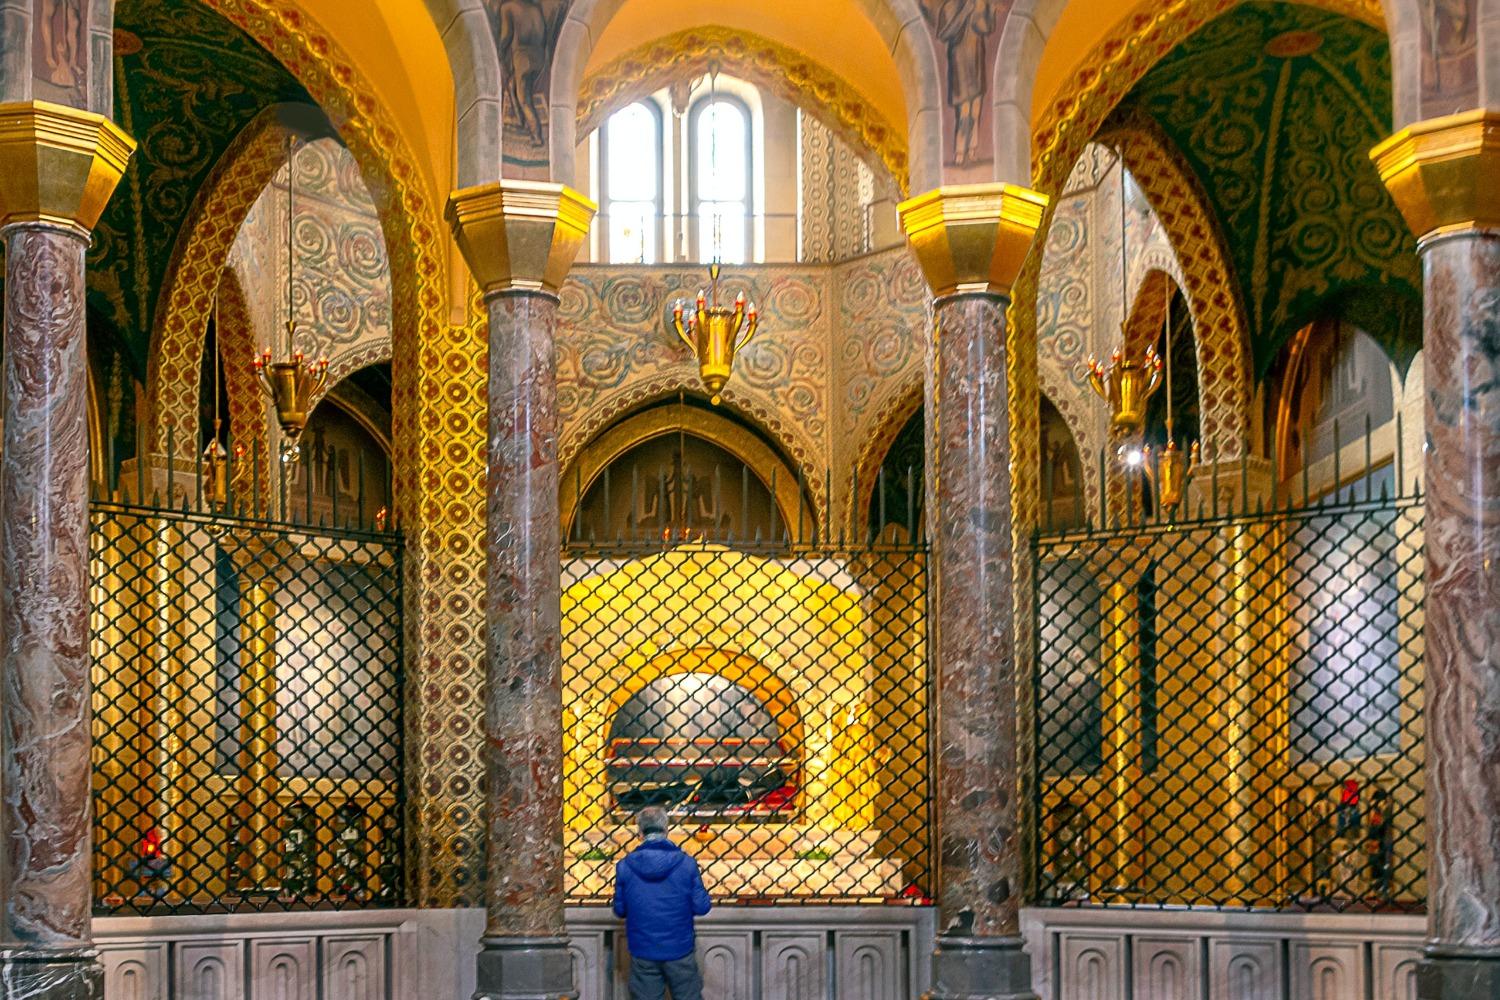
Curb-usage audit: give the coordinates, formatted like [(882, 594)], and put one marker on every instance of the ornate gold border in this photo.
[(191, 285), (784, 71), (659, 421), (440, 462)]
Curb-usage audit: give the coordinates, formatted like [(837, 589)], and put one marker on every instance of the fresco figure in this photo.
[(1450, 65), (59, 46), (527, 32), (963, 28)]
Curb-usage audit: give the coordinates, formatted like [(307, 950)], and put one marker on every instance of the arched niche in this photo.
[(1063, 491), (681, 465), (1335, 395), (704, 715)]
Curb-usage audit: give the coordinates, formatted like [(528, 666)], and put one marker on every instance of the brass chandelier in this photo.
[(1127, 385), (714, 332), (293, 382)]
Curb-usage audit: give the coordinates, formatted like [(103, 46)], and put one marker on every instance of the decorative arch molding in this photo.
[(409, 227), (192, 280), (762, 459), (1148, 310), (437, 386), (1221, 331), (900, 23), (1156, 258), (1059, 137), (235, 329), (1118, 62), (364, 411), (1056, 388), (783, 71), (892, 417), (580, 428), (1220, 328)]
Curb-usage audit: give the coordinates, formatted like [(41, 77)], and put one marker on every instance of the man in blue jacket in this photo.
[(658, 891)]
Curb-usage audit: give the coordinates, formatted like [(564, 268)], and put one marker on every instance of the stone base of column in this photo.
[(63, 974), (988, 968), (1459, 977), (524, 968)]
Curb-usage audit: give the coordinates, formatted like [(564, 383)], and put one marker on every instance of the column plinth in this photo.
[(58, 167), (520, 238), (1445, 176), (970, 242)]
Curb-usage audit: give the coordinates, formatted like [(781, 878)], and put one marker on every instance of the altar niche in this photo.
[(724, 659)]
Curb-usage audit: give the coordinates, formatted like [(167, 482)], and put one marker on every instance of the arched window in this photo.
[(631, 152), (721, 189)]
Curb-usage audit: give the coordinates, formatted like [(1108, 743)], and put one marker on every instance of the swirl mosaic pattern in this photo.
[(616, 350), (1279, 133)]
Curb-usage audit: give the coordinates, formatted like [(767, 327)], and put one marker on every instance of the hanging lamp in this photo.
[(1174, 468), (293, 382), (712, 331), (1126, 383), (215, 457)]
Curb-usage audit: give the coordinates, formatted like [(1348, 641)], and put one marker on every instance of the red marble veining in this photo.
[(968, 486), (44, 654), (523, 720), (1462, 365)]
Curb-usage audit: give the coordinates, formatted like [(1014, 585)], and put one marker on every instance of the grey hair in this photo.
[(652, 819)]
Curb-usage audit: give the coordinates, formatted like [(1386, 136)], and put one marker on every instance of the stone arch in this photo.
[(790, 441), (469, 39), (739, 668), (901, 24), (781, 70), (410, 227), (764, 460), (1119, 61)]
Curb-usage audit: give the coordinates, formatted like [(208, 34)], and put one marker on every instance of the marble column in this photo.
[(520, 239), (58, 167), (970, 242), (1445, 176)]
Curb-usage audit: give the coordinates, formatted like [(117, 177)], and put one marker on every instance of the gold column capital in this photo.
[(972, 237), (58, 165), (1444, 173), (520, 235)]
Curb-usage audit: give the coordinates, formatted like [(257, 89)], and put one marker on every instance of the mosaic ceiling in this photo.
[(186, 82), (1275, 107)]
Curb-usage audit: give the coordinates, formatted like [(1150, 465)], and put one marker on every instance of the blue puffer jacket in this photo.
[(659, 891)]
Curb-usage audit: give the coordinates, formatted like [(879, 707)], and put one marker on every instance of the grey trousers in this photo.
[(650, 980)]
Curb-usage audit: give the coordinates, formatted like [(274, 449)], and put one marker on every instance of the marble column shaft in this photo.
[(970, 241), (45, 816), (519, 239), (1461, 351), (968, 497), (523, 718), (1443, 175)]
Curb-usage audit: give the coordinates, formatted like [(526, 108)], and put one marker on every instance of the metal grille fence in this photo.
[(247, 713), (1228, 709), (773, 698)]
